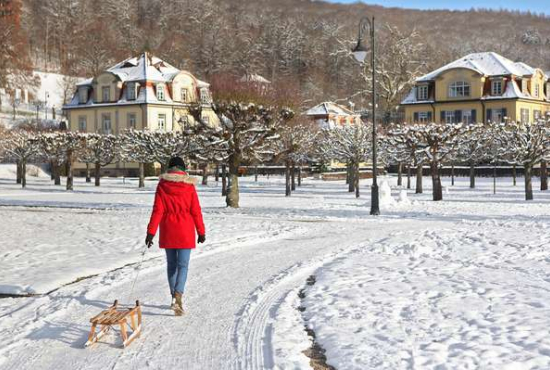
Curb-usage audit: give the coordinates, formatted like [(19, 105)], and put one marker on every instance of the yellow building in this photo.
[(480, 87), (141, 93)]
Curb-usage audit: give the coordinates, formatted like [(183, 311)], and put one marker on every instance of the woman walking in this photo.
[(178, 212)]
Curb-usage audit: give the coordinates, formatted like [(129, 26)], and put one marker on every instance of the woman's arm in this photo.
[(196, 213), (158, 212)]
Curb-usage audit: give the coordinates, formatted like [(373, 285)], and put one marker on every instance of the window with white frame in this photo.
[(183, 94), (537, 90), (106, 124), (467, 116), (497, 115), (423, 117), (537, 115), (161, 122), (131, 120), (524, 115), (83, 95), (106, 94), (450, 116), (524, 86), (131, 91), (205, 98), (82, 123), (160, 92), (496, 87), (459, 89), (422, 92)]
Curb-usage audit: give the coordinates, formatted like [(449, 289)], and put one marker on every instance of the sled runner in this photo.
[(111, 316)]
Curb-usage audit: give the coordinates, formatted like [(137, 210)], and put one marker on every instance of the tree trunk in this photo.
[(419, 174), (351, 174), (408, 176), (293, 176), (452, 175), (348, 174), (141, 175), (514, 175), (256, 173), (24, 173), (288, 187), (543, 176), (217, 174), (97, 168), (57, 174), (18, 165), (52, 174), (472, 176), (356, 179), (399, 174), (69, 169), (528, 183), (205, 174), (88, 175), (494, 179), (299, 176), (436, 181), (232, 198), (162, 167), (224, 180)]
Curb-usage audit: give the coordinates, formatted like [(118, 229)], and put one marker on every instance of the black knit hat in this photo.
[(177, 162)]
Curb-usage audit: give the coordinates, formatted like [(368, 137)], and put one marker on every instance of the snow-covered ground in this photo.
[(458, 284)]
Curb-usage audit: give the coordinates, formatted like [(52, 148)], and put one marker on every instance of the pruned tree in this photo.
[(53, 150), (63, 147), (525, 144), (21, 146), (135, 146), (348, 143), (100, 150)]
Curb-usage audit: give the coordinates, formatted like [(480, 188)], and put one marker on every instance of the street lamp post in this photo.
[(360, 54)]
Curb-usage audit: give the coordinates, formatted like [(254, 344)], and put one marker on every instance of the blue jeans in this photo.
[(177, 267)]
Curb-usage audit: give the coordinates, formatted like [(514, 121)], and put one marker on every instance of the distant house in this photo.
[(329, 114), (141, 93), (479, 87)]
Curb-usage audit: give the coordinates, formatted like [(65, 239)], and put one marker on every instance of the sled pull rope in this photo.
[(138, 270)]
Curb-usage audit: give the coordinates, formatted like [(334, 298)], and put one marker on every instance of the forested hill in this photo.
[(296, 40)]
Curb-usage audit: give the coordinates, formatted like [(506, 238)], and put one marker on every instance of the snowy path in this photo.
[(231, 296)]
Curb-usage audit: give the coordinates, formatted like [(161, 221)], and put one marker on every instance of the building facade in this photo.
[(329, 115), (140, 93), (480, 87)]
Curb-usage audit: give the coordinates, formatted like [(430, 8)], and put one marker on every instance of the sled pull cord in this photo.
[(137, 273)]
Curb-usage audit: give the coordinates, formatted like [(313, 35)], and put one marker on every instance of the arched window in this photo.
[(459, 89)]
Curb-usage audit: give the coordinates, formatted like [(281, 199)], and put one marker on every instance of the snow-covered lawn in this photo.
[(458, 284)]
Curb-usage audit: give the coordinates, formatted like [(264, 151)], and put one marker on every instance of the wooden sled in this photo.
[(112, 316)]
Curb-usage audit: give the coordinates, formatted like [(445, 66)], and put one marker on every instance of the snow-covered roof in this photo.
[(201, 83), (254, 78), (486, 64), (327, 108), (512, 91), (144, 67), (411, 98)]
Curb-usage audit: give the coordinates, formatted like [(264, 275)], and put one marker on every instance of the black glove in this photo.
[(149, 240), (202, 238)]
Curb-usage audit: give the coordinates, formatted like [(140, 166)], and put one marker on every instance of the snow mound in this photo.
[(385, 197), (403, 197), (10, 171)]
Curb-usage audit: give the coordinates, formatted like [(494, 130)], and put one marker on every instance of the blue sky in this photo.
[(536, 6)]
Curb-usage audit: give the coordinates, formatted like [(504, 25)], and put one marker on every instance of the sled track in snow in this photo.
[(253, 331)]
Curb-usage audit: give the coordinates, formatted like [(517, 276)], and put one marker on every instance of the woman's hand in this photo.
[(149, 240), (202, 238)]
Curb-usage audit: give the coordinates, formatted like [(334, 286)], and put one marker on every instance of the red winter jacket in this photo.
[(177, 210)]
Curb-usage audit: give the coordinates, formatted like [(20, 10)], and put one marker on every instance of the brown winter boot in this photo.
[(178, 305)]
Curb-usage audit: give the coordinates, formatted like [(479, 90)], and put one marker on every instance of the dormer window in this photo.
[(183, 95), (459, 89), (160, 92), (83, 95), (106, 94), (496, 87), (524, 86), (537, 90), (131, 91), (422, 92), (205, 98)]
